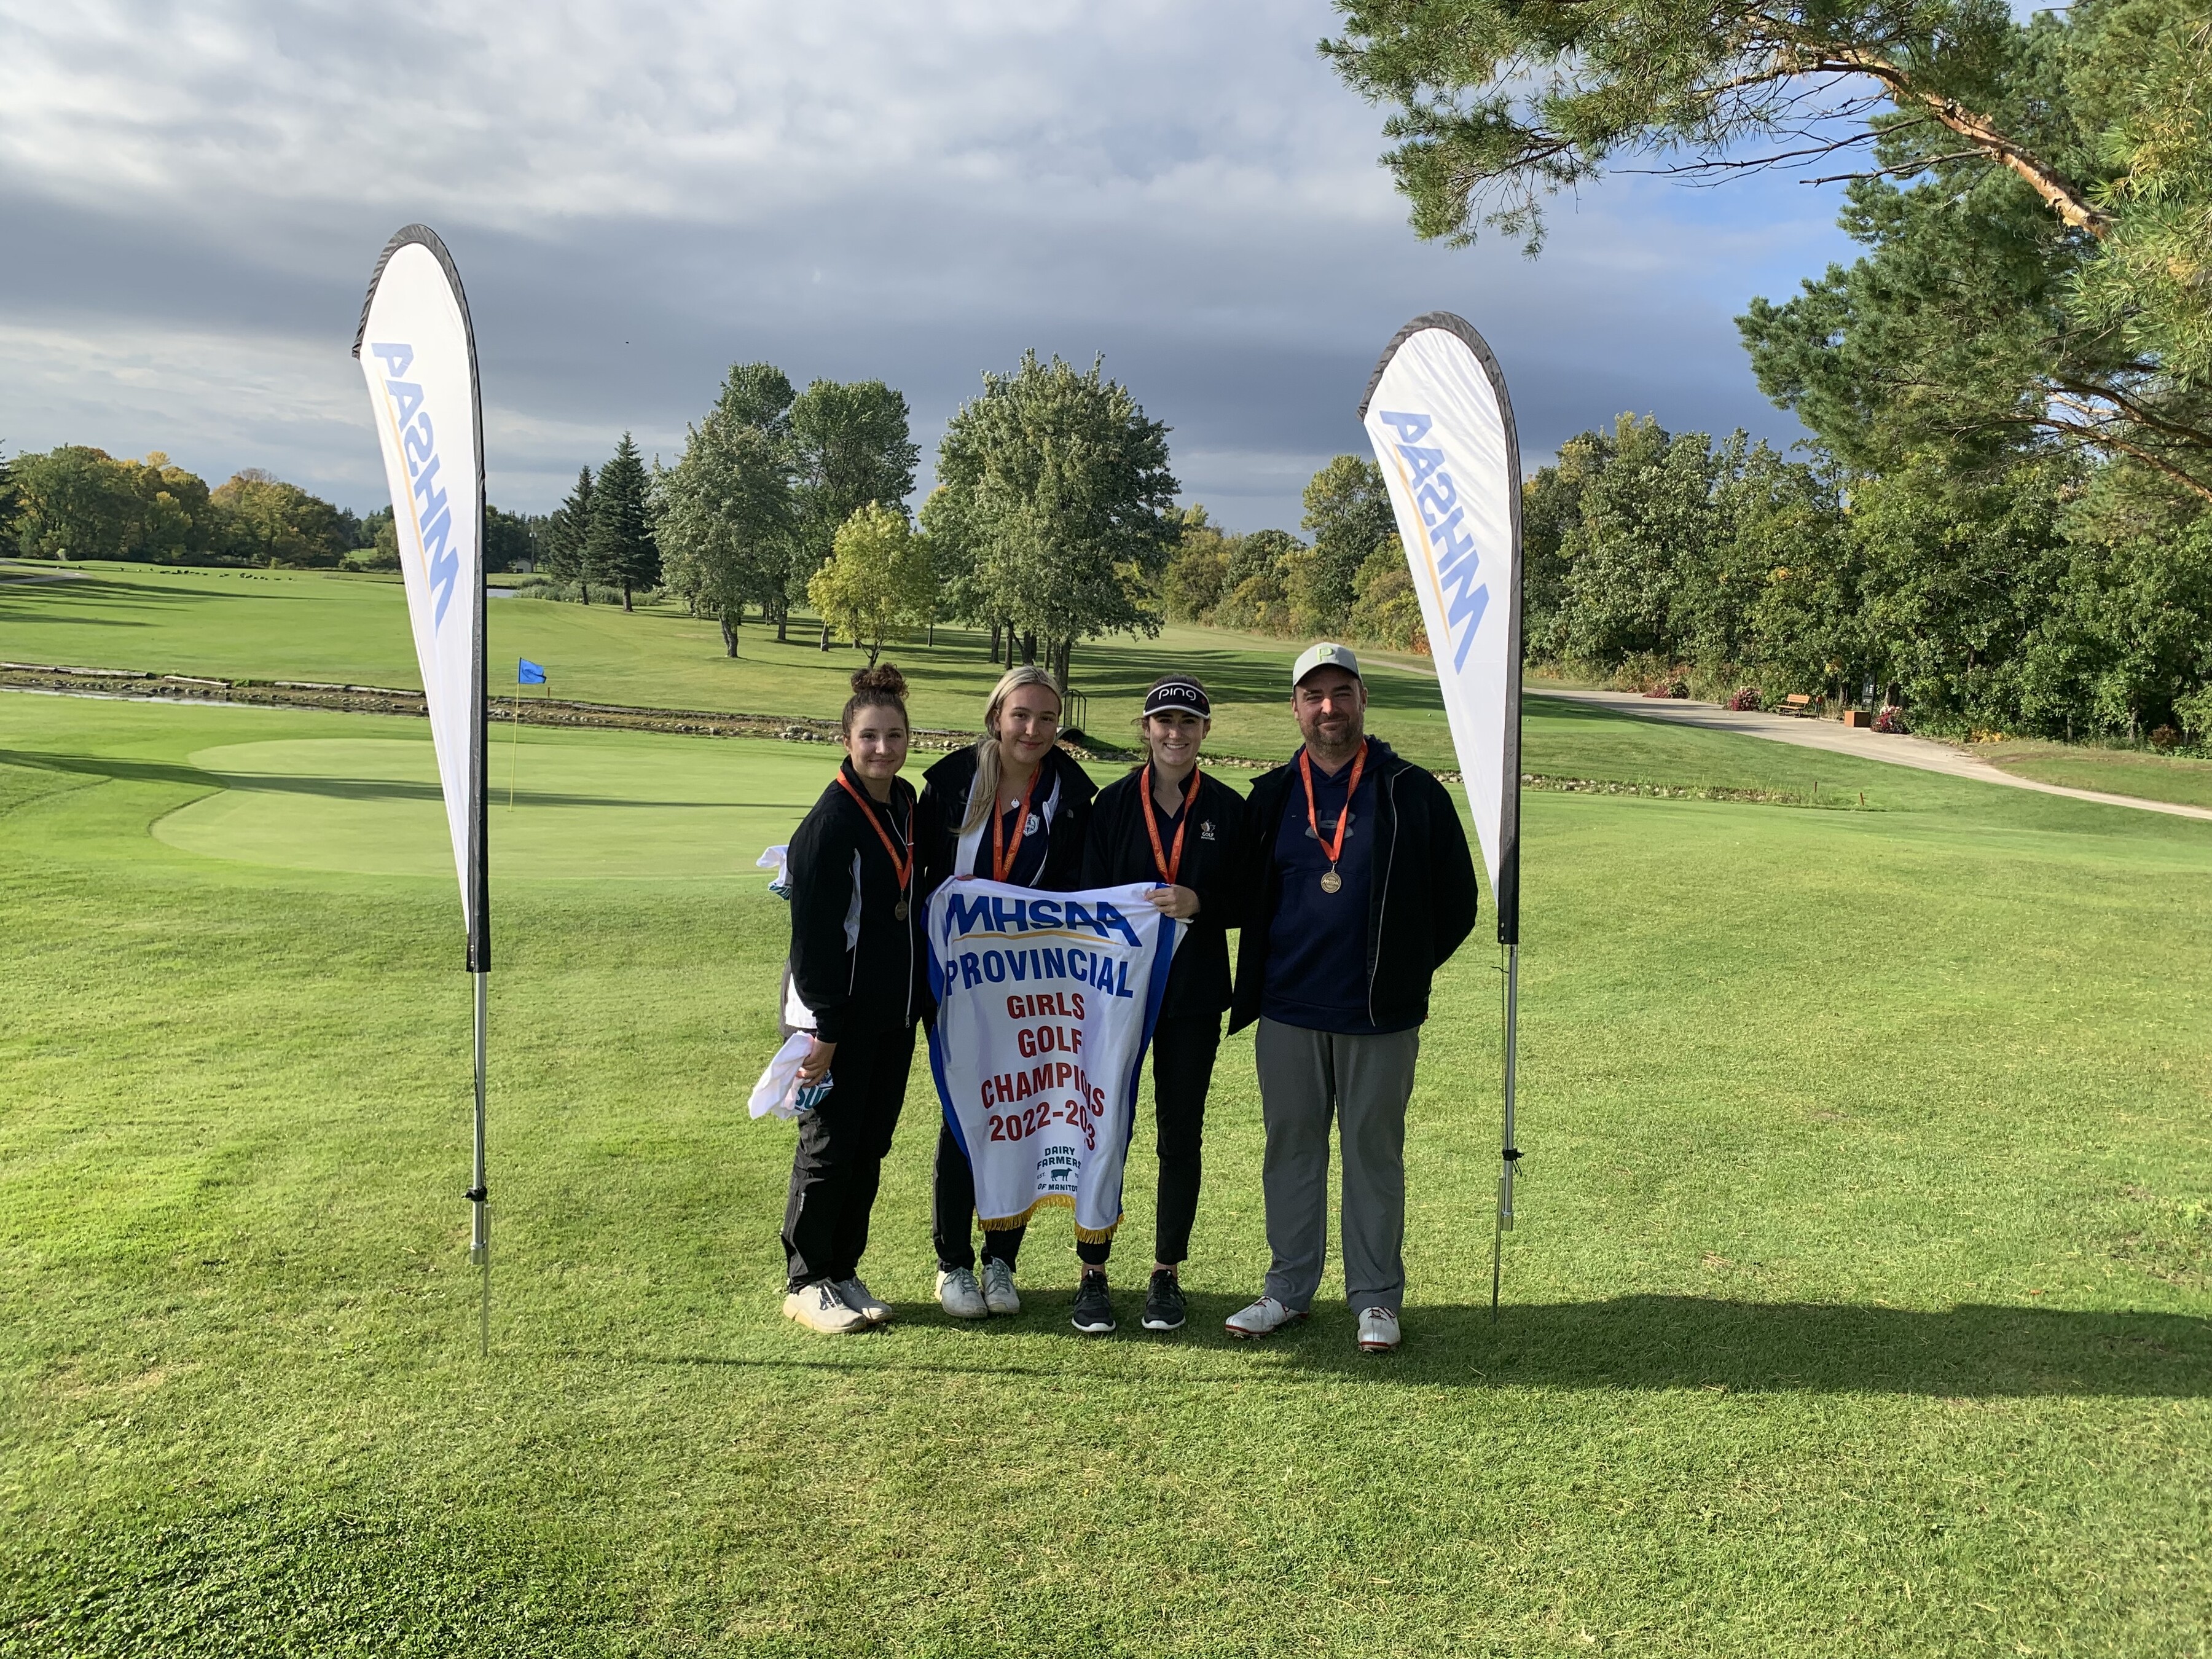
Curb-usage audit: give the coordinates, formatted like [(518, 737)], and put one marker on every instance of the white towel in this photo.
[(779, 1093)]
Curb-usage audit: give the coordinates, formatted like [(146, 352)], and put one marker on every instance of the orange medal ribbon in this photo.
[(1169, 867), (1002, 862), (904, 868), (1333, 848)]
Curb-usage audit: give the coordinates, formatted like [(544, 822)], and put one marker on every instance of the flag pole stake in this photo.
[(480, 1233), (1509, 1153), (513, 747)]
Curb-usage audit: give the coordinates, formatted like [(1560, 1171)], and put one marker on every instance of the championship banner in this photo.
[(1441, 426), (418, 352), (1045, 1004)]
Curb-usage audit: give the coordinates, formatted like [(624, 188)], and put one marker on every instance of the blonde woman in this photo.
[(1010, 807)]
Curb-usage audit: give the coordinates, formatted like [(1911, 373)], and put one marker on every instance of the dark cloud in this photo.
[(1217, 228)]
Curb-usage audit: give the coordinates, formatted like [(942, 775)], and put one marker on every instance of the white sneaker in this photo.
[(998, 1288), (959, 1294), (819, 1308), (856, 1296), (1263, 1318), (1378, 1330)]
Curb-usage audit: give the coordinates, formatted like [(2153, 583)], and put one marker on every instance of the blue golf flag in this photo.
[(528, 673)]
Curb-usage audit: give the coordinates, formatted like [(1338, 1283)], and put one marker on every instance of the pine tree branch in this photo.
[(2061, 194)]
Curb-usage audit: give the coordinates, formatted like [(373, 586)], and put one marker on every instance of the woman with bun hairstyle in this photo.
[(1170, 824), (1011, 807), (858, 983)]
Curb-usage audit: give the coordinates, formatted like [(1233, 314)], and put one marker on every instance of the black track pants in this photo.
[(1183, 1070), (840, 1159)]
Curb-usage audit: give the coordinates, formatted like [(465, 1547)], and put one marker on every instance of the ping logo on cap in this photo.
[(1327, 655)]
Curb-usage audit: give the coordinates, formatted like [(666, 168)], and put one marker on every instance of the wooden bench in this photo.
[(1798, 703)]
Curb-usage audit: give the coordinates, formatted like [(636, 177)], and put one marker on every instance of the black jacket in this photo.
[(1117, 851), (1421, 905), (945, 802), (856, 966)]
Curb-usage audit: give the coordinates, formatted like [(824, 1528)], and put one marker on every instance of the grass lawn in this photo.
[(310, 625), (313, 626), (1862, 1303), (2111, 771)]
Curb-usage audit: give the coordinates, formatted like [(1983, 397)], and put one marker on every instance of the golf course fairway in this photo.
[(1860, 1304)]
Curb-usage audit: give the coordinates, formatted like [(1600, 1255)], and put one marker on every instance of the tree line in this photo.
[(74, 501), (1052, 520), (1351, 581)]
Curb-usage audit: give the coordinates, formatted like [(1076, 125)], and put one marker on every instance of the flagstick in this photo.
[(480, 1236), (514, 749), (1510, 1153)]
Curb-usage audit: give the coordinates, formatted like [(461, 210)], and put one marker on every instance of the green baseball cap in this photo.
[(1326, 656)]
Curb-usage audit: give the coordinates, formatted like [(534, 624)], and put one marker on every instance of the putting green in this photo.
[(585, 807)]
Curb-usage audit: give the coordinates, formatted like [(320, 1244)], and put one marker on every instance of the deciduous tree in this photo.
[(263, 520), (1056, 497), (1347, 512), (850, 448), (878, 579), (727, 527)]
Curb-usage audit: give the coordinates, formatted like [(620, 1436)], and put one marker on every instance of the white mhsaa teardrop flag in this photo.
[(418, 352), (1441, 426)]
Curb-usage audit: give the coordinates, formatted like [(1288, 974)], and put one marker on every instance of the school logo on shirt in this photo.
[(1349, 820), (1205, 830), (1032, 826)]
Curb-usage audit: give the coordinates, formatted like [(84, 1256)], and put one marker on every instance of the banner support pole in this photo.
[(1509, 1153), (480, 1234)]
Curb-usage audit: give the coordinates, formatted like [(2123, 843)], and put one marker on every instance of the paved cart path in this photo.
[(1896, 749)]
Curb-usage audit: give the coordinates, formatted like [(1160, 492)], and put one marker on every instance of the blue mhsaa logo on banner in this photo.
[(432, 514), (1455, 561)]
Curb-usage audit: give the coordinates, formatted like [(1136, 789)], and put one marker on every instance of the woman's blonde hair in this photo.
[(984, 793)]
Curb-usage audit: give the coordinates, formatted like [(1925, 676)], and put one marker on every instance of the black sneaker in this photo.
[(1094, 1310), (1164, 1310)]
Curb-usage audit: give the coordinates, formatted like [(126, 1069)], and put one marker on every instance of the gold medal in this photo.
[(1333, 848), (899, 910)]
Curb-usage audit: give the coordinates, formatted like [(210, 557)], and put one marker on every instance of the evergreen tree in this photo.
[(566, 532), (619, 548)]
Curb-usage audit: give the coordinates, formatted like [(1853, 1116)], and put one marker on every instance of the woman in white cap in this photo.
[(1170, 824)]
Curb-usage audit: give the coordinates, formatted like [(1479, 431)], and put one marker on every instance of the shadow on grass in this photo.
[(135, 771), (70, 601), (1635, 1344)]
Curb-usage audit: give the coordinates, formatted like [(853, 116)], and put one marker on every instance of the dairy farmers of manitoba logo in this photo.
[(1452, 559), (426, 503)]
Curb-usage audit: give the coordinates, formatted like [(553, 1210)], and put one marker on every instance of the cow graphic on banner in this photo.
[(1045, 1004)]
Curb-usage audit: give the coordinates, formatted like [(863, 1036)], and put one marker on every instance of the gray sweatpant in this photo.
[(1305, 1077)]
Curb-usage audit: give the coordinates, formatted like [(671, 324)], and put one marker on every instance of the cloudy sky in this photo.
[(639, 195)]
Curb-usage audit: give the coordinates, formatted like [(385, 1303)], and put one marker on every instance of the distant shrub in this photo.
[(1745, 699)]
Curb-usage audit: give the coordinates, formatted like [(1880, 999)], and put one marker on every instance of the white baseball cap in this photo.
[(1326, 656)]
